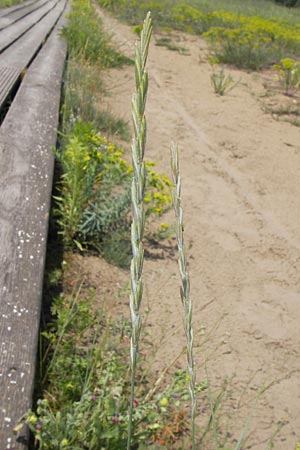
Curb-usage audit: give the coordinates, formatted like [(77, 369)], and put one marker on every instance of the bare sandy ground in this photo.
[(240, 173)]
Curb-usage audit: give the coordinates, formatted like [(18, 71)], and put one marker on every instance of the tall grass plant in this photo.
[(137, 196), (185, 288)]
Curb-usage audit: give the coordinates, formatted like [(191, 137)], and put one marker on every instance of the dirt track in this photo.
[(240, 174)]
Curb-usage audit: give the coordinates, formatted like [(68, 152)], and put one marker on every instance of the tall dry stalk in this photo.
[(137, 195), (185, 288)]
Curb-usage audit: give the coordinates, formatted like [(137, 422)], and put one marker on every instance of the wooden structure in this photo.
[(32, 57)]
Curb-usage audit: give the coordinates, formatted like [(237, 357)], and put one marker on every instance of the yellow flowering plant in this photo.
[(288, 71), (93, 201)]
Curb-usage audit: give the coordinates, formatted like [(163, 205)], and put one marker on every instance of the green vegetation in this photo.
[(93, 200), (286, 112), (289, 73), (5, 3), (82, 96), (220, 82), (90, 51), (251, 36), (86, 389), (86, 38), (169, 43), (93, 206), (289, 3)]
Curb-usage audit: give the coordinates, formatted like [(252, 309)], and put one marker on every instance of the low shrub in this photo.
[(94, 192), (255, 43), (288, 71)]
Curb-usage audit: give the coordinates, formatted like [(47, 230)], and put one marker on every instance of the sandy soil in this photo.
[(240, 174)]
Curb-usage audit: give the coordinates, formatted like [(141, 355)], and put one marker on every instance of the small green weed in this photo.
[(222, 83), (170, 45), (288, 112), (164, 231)]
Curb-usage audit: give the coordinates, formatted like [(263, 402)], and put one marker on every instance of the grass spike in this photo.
[(137, 197), (185, 287)]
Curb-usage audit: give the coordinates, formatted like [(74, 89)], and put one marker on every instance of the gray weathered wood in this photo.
[(12, 33), (10, 9), (18, 14), (26, 168), (19, 54), (8, 78)]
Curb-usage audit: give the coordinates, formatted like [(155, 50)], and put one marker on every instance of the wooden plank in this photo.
[(20, 54), (26, 169), (8, 79), (9, 9), (12, 33), (18, 14)]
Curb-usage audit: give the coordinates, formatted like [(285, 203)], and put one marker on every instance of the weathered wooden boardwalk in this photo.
[(32, 57)]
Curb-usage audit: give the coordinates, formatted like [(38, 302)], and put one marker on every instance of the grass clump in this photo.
[(82, 95), (90, 51), (220, 82), (86, 39)]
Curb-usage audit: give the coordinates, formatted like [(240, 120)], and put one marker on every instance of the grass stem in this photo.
[(137, 196), (185, 288)]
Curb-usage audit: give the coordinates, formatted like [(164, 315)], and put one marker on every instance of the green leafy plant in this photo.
[(93, 200), (220, 82)]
